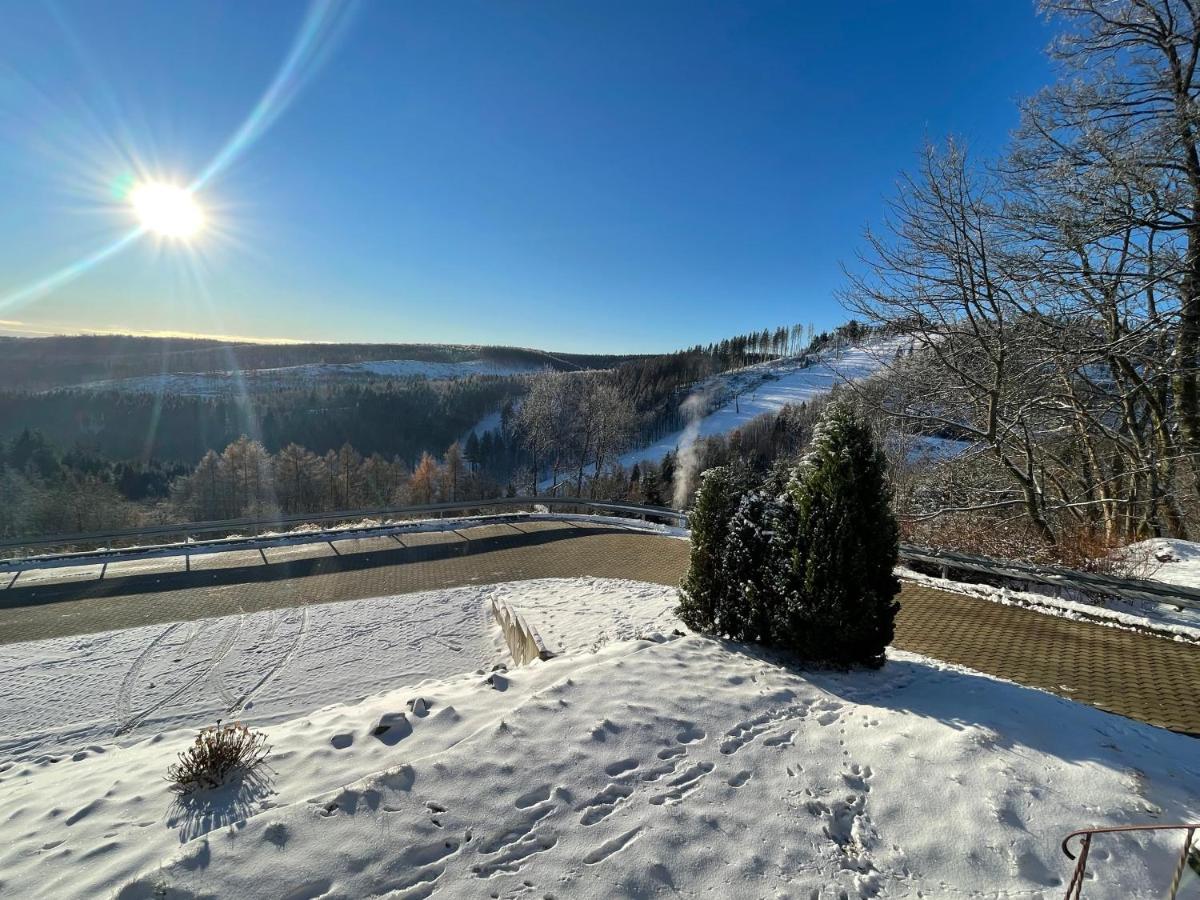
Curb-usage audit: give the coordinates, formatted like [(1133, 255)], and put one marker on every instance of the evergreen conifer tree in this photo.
[(754, 567), (717, 499), (838, 605)]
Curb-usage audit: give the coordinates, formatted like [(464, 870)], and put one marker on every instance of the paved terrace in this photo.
[(1144, 677)]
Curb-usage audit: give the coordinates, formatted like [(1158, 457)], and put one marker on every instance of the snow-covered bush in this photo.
[(808, 570), (717, 499), (839, 606), (219, 753), (756, 567)]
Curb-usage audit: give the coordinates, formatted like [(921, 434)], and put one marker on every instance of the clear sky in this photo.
[(567, 174)]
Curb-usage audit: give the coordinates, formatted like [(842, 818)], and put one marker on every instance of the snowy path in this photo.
[(66, 693)]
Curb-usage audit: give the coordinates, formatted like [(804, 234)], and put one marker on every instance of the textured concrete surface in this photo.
[(1144, 677)]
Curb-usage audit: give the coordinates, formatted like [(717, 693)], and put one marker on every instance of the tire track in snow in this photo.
[(125, 694), (239, 703), (216, 675), (128, 722)]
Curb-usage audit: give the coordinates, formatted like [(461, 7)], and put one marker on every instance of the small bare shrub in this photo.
[(1089, 550), (218, 753), (1078, 547)]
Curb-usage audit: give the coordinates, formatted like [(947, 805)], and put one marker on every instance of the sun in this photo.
[(167, 210)]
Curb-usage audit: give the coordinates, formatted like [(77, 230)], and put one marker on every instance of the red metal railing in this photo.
[(1188, 853)]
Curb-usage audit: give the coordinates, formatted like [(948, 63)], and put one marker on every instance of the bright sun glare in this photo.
[(166, 210)]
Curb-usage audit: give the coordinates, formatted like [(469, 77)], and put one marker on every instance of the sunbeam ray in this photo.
[(70, 273), (324, 23)]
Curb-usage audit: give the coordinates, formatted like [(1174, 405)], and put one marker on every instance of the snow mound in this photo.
[(1168, 560), (673, 765)]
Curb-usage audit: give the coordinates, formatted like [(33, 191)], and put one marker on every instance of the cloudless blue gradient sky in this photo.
[(575, 175)]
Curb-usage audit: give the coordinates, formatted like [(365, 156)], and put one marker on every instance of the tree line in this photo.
[(574, 425), (142, 459), (403, 418)]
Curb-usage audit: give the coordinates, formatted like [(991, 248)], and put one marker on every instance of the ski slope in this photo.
[(745, 394)]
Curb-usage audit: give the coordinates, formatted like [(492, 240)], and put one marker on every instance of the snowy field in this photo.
[(214, 384), (67, 693), (638, 763)]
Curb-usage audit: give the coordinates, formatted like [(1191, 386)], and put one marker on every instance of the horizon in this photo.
[(617, 180), (285, 342)]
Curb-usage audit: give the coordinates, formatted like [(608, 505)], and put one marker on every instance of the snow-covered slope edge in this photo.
[(743, 395), (687, 766), (1163, 619)]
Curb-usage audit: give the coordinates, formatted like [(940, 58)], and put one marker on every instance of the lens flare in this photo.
[(171, 212), (167, 210)]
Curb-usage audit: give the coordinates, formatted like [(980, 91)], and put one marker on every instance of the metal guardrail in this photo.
[(101, 544), (1135, 589), (1189, 855)]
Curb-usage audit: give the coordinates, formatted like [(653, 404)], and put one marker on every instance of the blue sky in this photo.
[(614, 176)]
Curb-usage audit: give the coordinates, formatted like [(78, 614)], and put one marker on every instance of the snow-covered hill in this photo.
[(732, 399), (207, 384)]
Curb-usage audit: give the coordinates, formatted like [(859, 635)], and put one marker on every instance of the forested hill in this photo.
[(66, 361)]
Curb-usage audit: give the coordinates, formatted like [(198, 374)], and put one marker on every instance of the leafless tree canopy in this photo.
[(1051, 296)]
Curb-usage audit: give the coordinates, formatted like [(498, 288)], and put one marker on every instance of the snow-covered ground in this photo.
[(1168, 560), (65, 693), (490, 422), (204, 384), (638, 763)]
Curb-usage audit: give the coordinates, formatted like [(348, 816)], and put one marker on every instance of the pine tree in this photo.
[(753, 567), (471, 452), (838, 603), (651, 495), (717, 499)]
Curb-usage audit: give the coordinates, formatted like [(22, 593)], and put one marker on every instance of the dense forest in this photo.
[(77, 460), (400, 418)]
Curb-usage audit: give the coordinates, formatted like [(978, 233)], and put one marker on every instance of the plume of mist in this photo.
[(686, 458)]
